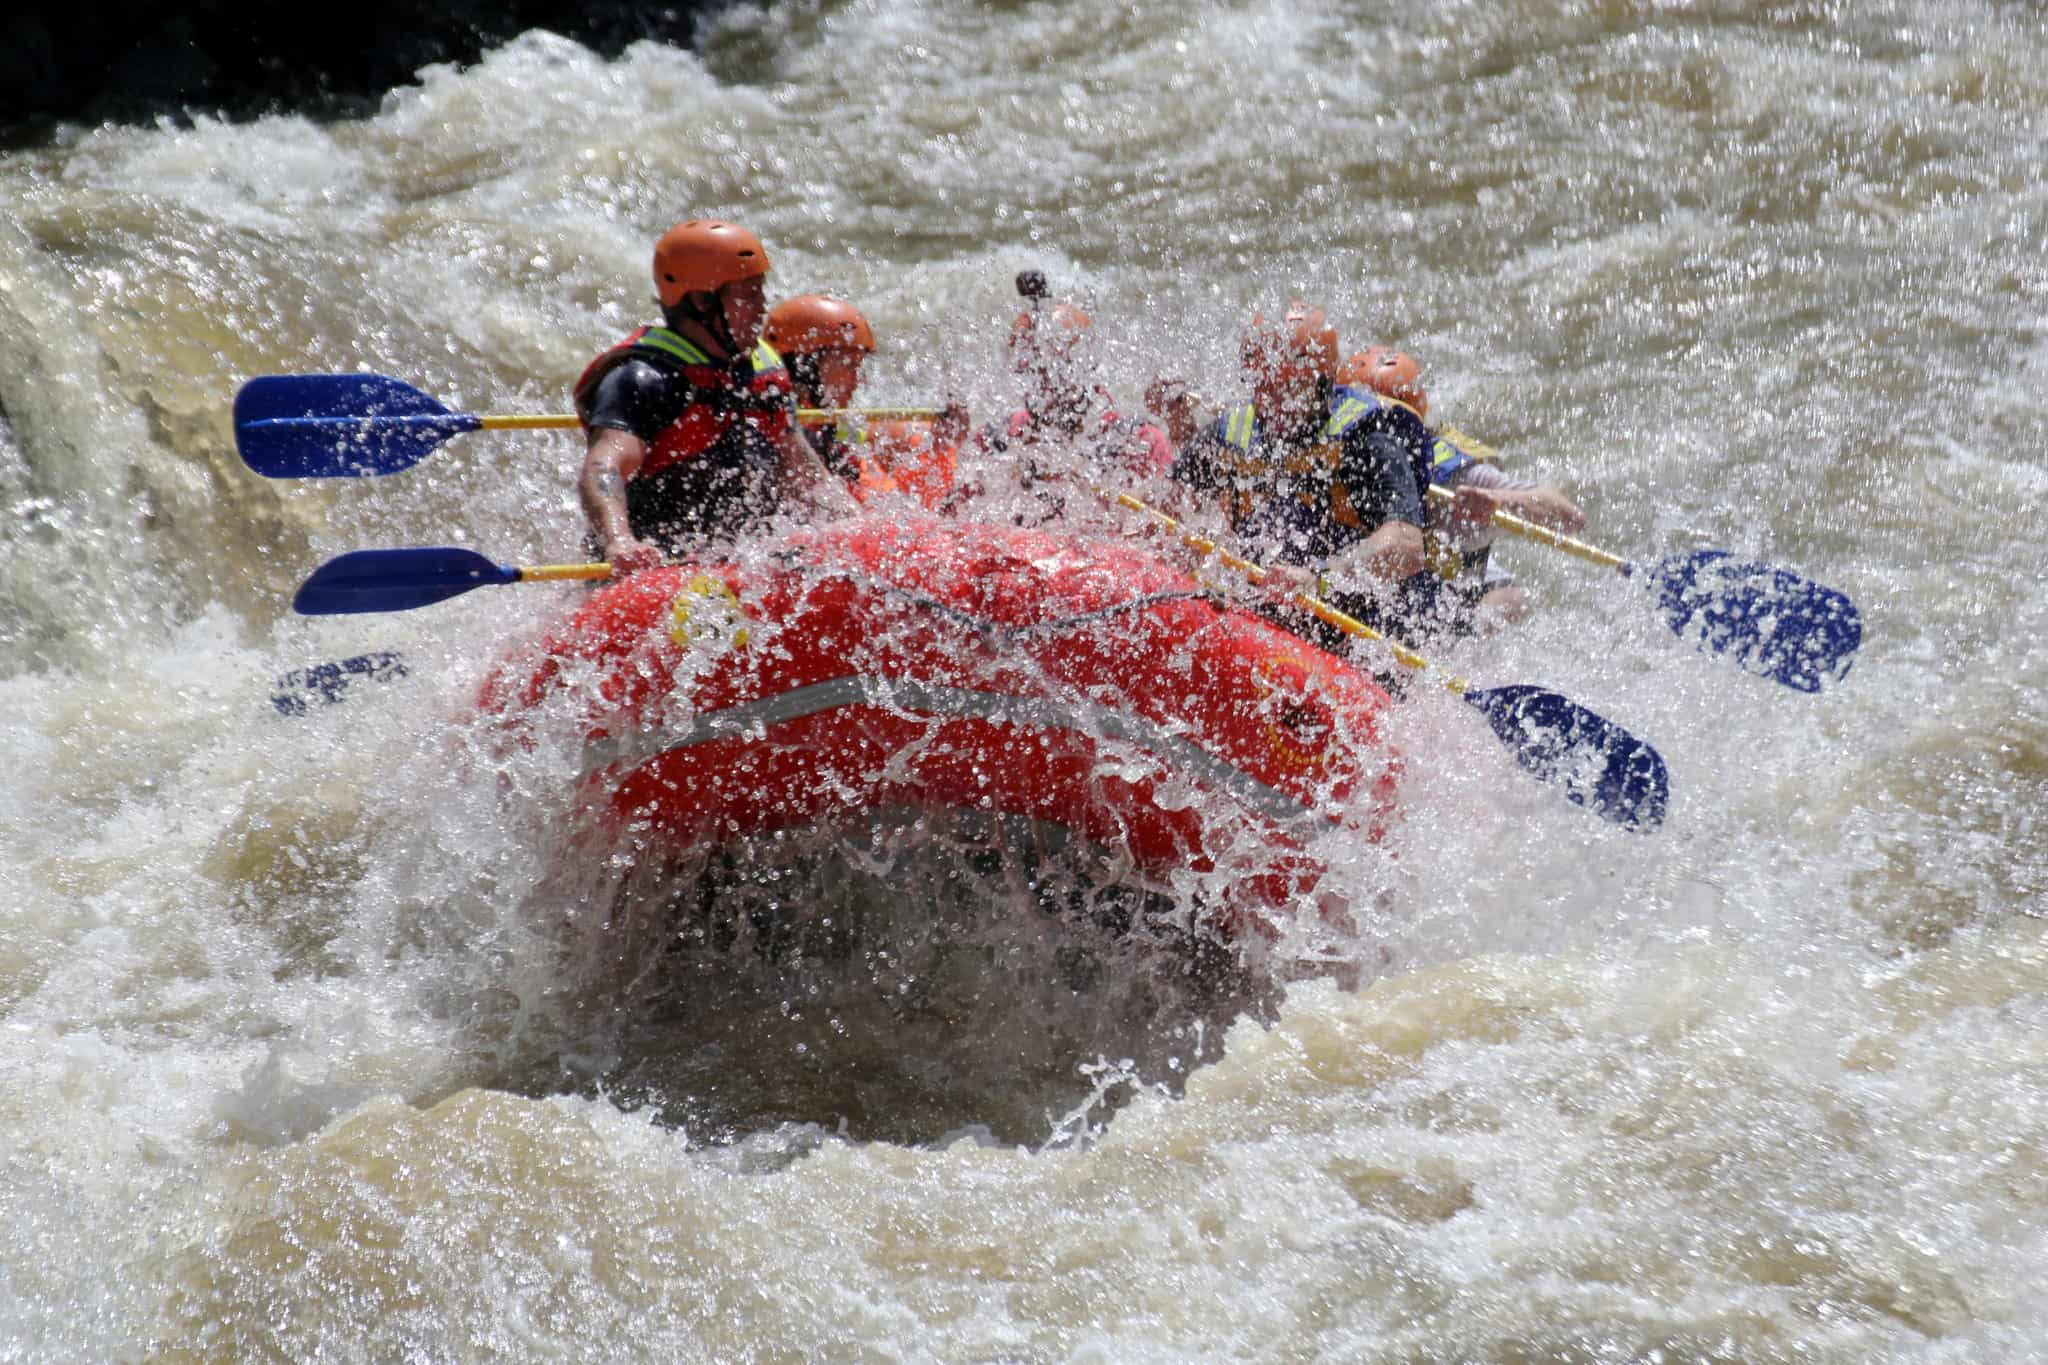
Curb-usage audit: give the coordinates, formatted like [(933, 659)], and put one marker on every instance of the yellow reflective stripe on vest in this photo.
[(662, 339), (1466, 445), (1237, 427), (1348, 411)]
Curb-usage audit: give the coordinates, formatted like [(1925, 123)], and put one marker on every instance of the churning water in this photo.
[(298, 1058)]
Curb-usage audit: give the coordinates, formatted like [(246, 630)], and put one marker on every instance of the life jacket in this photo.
[(846, 448), (1450, 452), (919, 463), (1299, 508), (713, 469)]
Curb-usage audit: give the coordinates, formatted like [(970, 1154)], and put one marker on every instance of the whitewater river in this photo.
[(303, 1055)]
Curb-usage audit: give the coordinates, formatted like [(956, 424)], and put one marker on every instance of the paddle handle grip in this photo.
[(1542, 535), (1316, 606), (558, 573)]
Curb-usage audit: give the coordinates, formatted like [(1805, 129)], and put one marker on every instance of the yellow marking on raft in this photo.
[(706, 612)]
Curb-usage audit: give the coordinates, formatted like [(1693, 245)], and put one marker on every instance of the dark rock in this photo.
[(137, 60)]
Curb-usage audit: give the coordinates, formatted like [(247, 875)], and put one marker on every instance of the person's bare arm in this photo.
[(1545, 506), (1391, 553), (1475, 504), (805, 476), (611, 459)]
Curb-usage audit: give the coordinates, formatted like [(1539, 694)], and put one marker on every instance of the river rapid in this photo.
[(297, 1060)]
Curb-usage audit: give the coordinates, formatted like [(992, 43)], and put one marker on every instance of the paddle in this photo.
[(399, 580), (1601, 766), (324, 684), (1769, 621), (338, 426)]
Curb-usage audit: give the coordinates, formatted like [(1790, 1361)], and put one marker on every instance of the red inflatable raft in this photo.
[(940, 664)]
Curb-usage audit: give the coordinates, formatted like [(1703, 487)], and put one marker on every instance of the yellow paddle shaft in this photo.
[(559, 573), (1316, 606), (527, 421), (536, 421), (1542, 535), (877, 414)]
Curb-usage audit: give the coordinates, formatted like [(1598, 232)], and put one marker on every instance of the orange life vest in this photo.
[(921, 464)]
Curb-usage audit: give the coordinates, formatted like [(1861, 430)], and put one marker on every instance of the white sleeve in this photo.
[(1483, 475)]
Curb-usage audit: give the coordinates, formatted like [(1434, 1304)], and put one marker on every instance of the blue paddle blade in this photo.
[(1601, 766), (325, 684), (337, 426), (395, 580), (1771, 622)]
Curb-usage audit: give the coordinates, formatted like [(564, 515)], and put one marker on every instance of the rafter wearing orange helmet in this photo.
[(1051, 346), (826, 342), (1052, 335), (1041, 462), (1460, 533), (1380, 374), (1291, 361), (1388, 373), (692, 424), (714, 274), (1332, 498)]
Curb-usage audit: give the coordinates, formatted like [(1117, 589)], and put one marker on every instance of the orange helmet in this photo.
[(1301, 335), (814, 322), (1388, 373), (1050, 333), (700, 256)]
